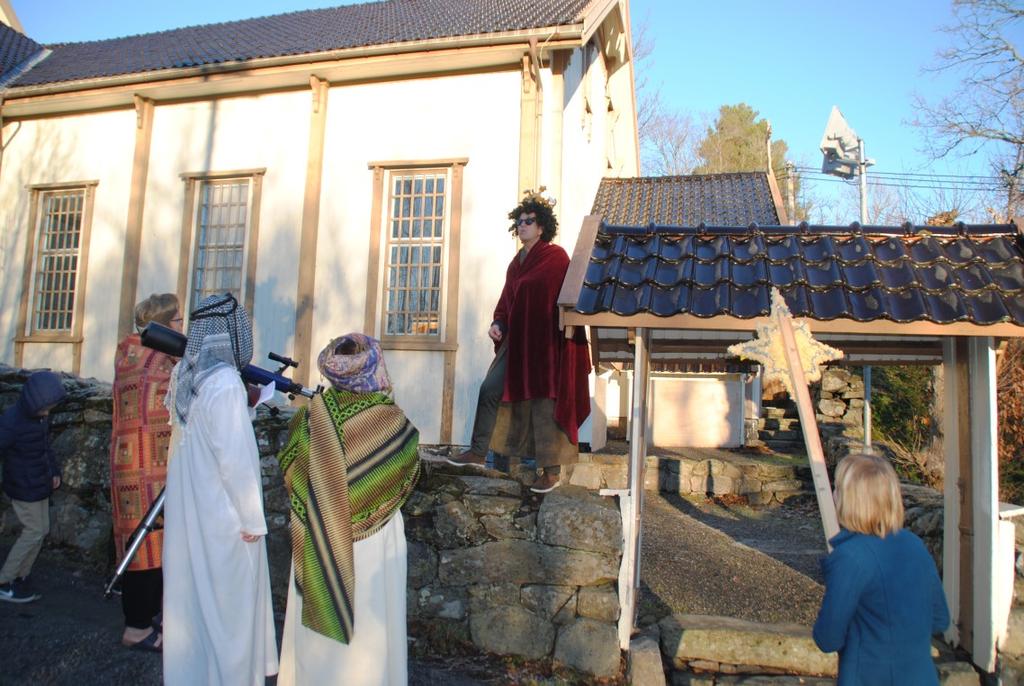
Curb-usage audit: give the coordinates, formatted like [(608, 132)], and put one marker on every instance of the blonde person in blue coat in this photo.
[(883, 598)]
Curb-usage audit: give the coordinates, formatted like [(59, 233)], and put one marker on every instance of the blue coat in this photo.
[(29, 462), (883, 601)]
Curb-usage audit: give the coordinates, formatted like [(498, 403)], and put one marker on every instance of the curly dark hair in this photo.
[(544, 213)]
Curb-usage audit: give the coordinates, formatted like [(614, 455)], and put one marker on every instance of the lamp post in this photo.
[(844, 157)]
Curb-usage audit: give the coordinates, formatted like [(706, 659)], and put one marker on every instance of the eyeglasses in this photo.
[(529, 221)]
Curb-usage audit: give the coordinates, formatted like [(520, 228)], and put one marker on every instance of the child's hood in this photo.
[(42, 389)]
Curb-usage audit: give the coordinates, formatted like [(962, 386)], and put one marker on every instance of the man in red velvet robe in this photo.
[(535, 394)]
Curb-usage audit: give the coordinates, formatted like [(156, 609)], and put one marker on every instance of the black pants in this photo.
[(142, 595), (491, 390)]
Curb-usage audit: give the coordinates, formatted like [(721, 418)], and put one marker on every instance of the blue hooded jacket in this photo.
[(29, 462), (883, 601)]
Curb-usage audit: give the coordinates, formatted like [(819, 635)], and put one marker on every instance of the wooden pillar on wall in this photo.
[(530, 104), (310, 228), (452, 322), (136, 206), (559, 63)]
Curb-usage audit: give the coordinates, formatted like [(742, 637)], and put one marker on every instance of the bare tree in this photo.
[(986, 111), (670, 145)]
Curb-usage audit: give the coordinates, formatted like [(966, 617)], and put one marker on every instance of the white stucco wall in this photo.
[(93, 147), (420, 120), (262, 132)]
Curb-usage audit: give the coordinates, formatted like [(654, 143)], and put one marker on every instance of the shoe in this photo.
[(13, 593), (27, 587), (545, 484), (150, 644), (466, 458)]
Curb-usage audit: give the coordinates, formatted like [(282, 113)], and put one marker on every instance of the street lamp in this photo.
[(844, 157)]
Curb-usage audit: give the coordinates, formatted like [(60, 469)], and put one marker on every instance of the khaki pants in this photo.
[(35, 522)]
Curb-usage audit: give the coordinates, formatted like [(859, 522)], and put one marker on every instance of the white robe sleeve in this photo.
[(233, 445)]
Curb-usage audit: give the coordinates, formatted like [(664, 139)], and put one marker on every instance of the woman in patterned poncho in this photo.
[(138, 465), (350, 462)]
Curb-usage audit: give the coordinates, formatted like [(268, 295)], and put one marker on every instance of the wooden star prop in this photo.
[(767, 347)]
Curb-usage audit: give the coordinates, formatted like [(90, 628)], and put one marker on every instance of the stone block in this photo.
[(442, 602), (832, 408), (418, 504), (482, 485), (456, 526), (523, 562), (762, 498), (614, 476), (769, 471), (960, 674), (422, 564), (557, 603), (492, 504), (645, 668), (527, 523), (719, 485), (691, 679), (483, 597), (746, 485), (589, 646), (512, 630), (502, 527), (1013, 646), (600, 603), (782, 485), (586, 476), (572, 517), (685, 638)]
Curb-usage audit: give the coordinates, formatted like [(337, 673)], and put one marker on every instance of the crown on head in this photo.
[(538, 197)]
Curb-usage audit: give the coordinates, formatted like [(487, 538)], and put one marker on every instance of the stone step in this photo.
[(727, 644)]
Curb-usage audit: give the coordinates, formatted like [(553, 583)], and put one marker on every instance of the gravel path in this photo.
[(716, 558)]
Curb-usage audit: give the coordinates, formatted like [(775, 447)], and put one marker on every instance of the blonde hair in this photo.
[(159, 308), (868, 498)]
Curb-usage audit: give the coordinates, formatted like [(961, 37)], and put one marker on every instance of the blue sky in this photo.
[(791, 60)]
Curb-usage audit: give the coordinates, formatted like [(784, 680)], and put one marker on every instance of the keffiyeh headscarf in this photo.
[(362, 371), (219, 334)]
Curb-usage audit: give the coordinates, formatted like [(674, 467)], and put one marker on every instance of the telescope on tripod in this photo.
[(166, 340)]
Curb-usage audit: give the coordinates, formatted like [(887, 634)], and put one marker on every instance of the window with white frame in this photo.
[(223, 229), (60, 237), (415, 246)]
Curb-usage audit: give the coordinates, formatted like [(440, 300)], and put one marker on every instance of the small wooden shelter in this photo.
[(882, 294)]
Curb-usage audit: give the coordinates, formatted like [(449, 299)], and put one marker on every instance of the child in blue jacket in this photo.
[(883, 598), (31, 474)]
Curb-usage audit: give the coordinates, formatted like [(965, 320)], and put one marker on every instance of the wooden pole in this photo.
[(809, 426)]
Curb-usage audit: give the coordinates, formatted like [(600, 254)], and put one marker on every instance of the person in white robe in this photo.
[(350, 462), (217, 615)]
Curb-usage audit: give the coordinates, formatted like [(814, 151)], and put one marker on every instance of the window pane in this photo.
[(414, 249), (57, 243), (221, 230)]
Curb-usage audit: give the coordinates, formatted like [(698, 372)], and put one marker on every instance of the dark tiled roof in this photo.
[(299, 33), (15, 48), (939, 274), (735, 199)]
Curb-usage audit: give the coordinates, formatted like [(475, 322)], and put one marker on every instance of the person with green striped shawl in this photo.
[(350, 463)]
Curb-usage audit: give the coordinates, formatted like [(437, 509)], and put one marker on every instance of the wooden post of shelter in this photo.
[(631, 500)]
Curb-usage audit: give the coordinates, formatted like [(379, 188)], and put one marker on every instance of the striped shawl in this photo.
[(364, 468)]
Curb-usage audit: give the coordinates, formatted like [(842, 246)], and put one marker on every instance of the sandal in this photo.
[(149, 643)]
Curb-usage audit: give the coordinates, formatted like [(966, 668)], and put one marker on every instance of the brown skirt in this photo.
[(528, 429)]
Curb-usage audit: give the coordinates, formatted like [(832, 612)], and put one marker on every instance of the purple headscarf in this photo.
[(363, 371)]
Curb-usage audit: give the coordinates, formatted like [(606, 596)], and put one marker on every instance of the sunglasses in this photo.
[(528, 221)]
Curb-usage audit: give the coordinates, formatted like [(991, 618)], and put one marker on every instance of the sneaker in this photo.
[(25, 585), (466, 458), (13, 593)]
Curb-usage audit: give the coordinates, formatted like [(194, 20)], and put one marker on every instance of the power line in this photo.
[(920, 175)]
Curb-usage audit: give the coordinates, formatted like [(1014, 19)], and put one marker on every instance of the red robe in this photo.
[(542, 362)]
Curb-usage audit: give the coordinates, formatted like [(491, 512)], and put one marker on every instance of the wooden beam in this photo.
[(310, 227), (451, 333), (809, 427), (144, 111), (834, 326), (966, 494), (572, 284), (556, 103)]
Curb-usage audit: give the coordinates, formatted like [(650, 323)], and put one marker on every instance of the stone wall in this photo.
[(491, 565)]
